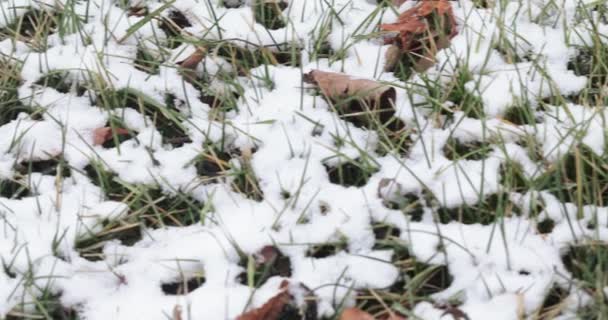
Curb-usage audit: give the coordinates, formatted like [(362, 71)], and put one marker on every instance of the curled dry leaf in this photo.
[(188, 65), (338, 86), (360, 101), (420, 32), (362, 95), (101, 135), (284, 303)]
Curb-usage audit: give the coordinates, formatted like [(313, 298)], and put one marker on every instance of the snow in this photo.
[(294, 135)]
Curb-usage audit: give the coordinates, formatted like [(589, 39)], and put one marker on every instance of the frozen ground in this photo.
[(489, 202)]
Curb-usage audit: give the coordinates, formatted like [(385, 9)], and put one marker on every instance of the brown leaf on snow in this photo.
[(271, 310), (421, 31), (285, 303), (188, 65), (355, 314), (137, 11), (101, 135), (339, 86), (362, 97)]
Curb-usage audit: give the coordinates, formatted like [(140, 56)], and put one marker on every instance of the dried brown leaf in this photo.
[(271, 310), (101, 135), (188, 65), (418, 34), (137, 11), (355, 314), (338, 86)]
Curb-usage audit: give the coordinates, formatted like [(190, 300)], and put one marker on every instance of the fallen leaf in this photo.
[(272, 308), (137, 11), (188, 65), (355, 314), (361, 96), (101, 135), (284, 303), (339, 86), (421, 32)]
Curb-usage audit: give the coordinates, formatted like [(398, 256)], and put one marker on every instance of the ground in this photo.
[(181, 160)]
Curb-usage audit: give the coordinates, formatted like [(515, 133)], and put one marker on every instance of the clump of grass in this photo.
[(183, 286), (243, 59), (588, 264), (326, 249), (146, 61), (167, 120), (14, 189), (269, 13), (521, 115), (46, 306), (10, 79), (60, 81), (512, 177), (212, 163), (91, 245), (32, 28), (351, 173), (148, 204), (148, 207), (244, 179), (416, 282), (51, 167), (446, 98), (172, 25), (462, 98), (579, 177), (266, 263), (486, 211), (455, 150), (591, 62), (554, 303), (410, 204)]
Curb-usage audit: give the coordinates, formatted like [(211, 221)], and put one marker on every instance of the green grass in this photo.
[(579, 177)]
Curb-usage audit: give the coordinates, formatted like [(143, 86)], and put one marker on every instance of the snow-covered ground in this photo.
[(289, 135)]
